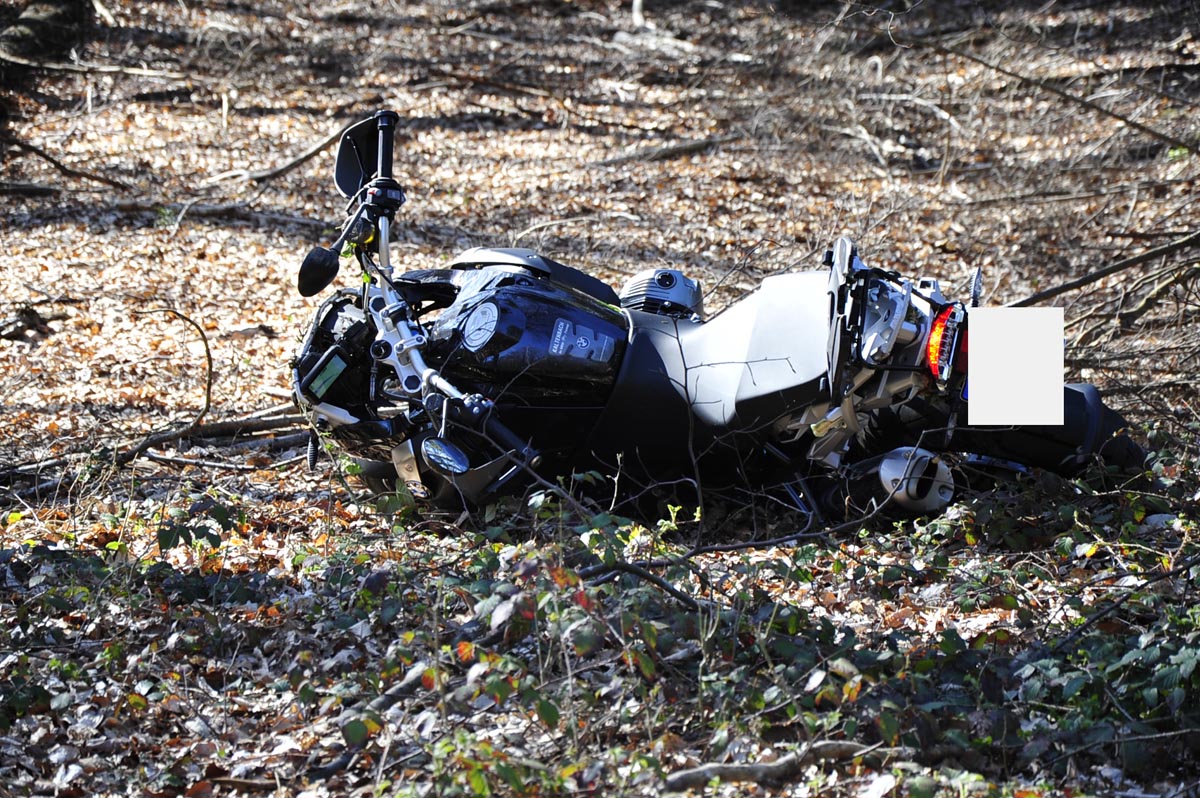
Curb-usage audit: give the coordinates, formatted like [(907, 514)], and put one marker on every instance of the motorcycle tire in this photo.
[(1091, 431)]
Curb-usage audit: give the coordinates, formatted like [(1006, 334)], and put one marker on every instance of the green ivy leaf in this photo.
[(479, 785), (355, 732), (547, 713), (1175, 699), (1074, 685)]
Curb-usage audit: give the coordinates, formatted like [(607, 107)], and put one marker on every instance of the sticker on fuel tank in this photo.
[(572, 340), (480, 326)]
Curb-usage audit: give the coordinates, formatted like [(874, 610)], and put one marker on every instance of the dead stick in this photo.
[(204, 431), (87, 69), (207, 431), (669, 151), (270, 443), (1121, 265), (233, 210), (640, 572), (219, 429), (185, 461), (27, 190), (777, 772), (1128, 317), (283, 169), (62, 167), (161, 437), (1066, 95)]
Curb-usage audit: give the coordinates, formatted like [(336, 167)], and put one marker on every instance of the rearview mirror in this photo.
[(444, 457), (317, 271), (357, 157)]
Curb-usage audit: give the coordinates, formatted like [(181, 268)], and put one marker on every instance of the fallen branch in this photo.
[(1127, 317), (62, 167), (158, 438), (920, 102), (623, 566), (777, 772), (1179, 569), (1066, 95), (278, 171), (207, 431), (1046, 196), (186, 461), (89, 69), (27, 190), (269, 442), (233, 210), (1099, 274), (668, 152), (221, 429)]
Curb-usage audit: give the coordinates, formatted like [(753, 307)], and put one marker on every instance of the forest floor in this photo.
[(186, 609)]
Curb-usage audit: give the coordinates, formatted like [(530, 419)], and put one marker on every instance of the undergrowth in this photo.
[(1038, 631)]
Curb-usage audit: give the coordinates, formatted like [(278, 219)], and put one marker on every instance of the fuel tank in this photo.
[(516, 335)]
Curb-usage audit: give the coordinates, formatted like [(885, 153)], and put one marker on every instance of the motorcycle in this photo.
[(832, 389)]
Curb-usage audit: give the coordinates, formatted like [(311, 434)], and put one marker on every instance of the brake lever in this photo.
[(479, 409)]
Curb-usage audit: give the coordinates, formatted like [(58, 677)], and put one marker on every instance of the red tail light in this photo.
[(945, 350), (941, 340)]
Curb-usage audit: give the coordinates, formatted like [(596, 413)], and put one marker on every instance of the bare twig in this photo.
[(1048, 195), (1100, 615), (27, 190), (233, 210), (669, 151), (104, 13), (533, 228), (920, 102), (1066, 95), (1127, 317), (640, 572), (1099, 274), (777, 772), (185, 461), (278, 171), (90, 69), (161, 437), (62, 167)]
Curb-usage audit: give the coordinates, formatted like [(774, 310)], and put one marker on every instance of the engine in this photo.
[(665, 292)]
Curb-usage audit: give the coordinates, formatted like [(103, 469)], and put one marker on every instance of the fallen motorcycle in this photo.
[(838, 387)]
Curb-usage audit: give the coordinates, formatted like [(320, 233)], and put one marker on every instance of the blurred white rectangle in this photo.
[(1016, 366)]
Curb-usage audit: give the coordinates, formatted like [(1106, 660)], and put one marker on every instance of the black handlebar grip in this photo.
[(387, 121), (501, 434)]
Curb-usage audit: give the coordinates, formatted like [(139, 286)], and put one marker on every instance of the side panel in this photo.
[(647, 428), (690, 392), (763, 357)]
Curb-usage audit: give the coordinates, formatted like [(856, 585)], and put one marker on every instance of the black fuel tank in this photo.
[(511, 334)]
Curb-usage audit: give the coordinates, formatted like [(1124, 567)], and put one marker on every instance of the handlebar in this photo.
[(478, 407), (387, 121), (498, 431)]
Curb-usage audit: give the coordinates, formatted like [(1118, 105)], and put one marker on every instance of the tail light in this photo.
[(942, 344)]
